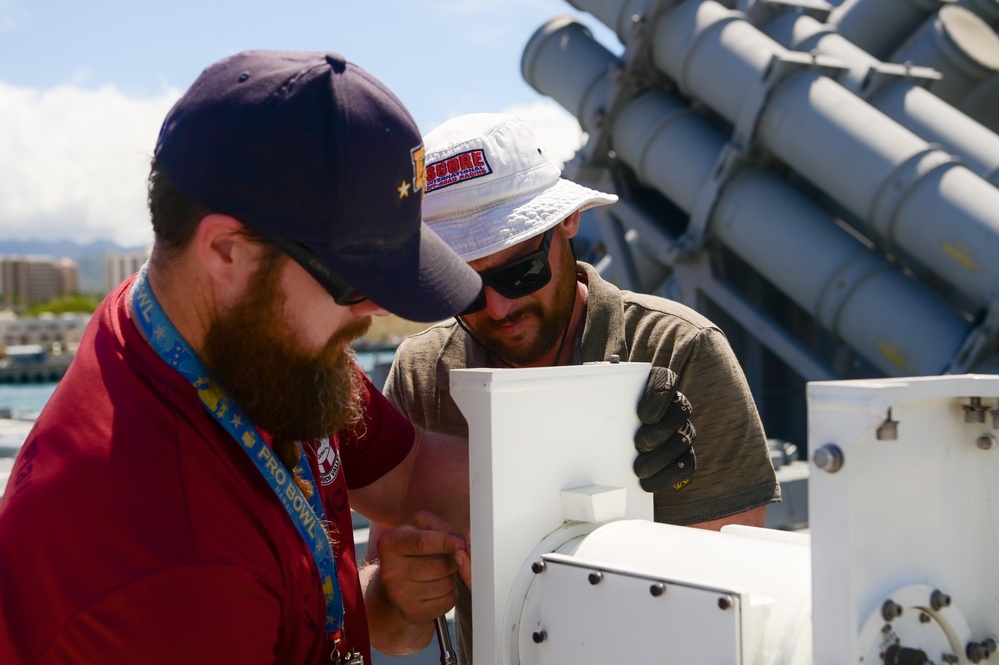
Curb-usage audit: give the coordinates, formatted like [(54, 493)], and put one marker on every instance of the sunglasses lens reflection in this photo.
[(521, 278), (513, 281), (517, 279)]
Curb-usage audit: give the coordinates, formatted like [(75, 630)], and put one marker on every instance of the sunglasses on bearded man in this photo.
[(343, 293), (518, 278)]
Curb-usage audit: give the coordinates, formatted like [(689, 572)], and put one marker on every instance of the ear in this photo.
[(227, 256), (570, 225)]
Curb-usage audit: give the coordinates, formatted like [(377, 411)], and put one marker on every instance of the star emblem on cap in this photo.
[(404, 189)]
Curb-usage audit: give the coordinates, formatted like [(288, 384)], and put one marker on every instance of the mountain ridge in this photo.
[(59, 249)]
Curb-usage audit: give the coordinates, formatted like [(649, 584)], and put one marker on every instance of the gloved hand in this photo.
[(665, 439)]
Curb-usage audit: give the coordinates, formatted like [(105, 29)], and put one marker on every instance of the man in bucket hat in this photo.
[(183, 497), (494, 197)]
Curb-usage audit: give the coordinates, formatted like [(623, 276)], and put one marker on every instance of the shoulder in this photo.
[(669, 333), (640, 326), (607, 302), (643, 306), (415, 368), (431, 340), (421, 352), (643, 315)]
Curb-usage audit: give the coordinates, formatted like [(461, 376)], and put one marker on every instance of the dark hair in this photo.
[(176, 216)]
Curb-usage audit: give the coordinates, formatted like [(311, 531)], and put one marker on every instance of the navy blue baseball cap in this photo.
[(315, 153)]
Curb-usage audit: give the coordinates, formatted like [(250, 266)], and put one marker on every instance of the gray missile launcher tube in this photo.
[(988, 10), (890, 319), (912, 195), (982, 103), (957, 43), (898, 96), (881, 26)]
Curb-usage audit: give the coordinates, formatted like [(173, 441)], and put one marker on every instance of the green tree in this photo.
[(79, 302)]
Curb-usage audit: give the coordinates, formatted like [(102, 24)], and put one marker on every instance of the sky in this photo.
[(84, 86)]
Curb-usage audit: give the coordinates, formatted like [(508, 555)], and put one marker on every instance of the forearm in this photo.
[(391, 633), (752, 517), (433, 477), (439, 483)]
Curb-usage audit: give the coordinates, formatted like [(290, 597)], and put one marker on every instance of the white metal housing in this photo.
[(897, 567)]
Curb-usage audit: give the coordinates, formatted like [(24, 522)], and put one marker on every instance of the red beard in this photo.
[(286, 390)]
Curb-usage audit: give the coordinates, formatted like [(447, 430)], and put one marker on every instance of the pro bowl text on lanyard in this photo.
[(307, 515)]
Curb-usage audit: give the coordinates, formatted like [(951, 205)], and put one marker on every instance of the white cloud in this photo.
[(558, 129), (73, 163)]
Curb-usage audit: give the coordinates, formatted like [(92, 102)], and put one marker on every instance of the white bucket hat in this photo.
[(490, 185)]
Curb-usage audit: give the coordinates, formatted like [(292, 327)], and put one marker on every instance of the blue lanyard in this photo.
[(307, 515)]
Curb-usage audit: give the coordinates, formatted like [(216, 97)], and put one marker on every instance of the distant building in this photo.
[(119, 266), (26, 280), (45, 330), (38, 348)]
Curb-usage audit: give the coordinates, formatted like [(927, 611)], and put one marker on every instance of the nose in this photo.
[(497, 306), (368, 308)]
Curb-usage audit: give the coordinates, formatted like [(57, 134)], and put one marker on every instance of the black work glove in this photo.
[(665, 439)]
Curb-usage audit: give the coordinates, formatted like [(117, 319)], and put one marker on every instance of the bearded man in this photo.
[(495, 198), (184, 497)]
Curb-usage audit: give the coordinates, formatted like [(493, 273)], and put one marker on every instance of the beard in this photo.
[(291, 393), (552, 324)]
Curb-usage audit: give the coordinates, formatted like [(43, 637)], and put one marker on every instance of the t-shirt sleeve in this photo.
[(734, 471), (418, 385), (395, 384), (378, 442), (409, 382)]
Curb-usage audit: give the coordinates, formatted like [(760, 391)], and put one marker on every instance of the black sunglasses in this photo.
[(342, 292), (518, 278)]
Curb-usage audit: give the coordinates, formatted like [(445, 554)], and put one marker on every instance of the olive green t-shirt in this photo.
[(734, 471)]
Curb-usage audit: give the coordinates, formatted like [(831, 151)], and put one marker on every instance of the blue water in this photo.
[(24, 400)]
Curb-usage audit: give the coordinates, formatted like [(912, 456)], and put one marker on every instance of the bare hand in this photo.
[(420, 565)]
